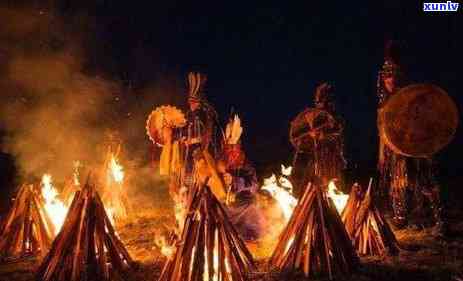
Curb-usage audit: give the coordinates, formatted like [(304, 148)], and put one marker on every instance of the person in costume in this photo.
[(325, 161), (241, 183), (201, 128), (409, 182)]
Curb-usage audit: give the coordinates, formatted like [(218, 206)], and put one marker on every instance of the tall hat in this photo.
[(391, 65), (196, 84), (324, 92)]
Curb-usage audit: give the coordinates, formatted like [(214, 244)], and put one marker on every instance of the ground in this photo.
[(423, 258)]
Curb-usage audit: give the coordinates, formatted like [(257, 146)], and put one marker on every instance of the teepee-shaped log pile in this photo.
[(367, 227), (87, 247), (27, 229), (210, 248), (315, 240)]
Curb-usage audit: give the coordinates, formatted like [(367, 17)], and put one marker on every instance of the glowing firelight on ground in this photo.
[(54, 207), (281, 190), (339, 198)]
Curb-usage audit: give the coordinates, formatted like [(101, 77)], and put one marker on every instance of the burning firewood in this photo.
[(367, 227), (27, 229), (209, 248), (87, 247), (315, 240)]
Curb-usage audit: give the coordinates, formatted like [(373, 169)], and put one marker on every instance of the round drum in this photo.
[(306, 122), (418, 121), (165, 116)]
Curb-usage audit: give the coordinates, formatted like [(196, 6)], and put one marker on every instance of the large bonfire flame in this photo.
[(54, 207), (281, 189), (339, 198)]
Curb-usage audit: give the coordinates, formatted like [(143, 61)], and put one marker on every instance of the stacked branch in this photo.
[(87, 247), (315, 240), (27, 229), (367, 227), (210, 248)]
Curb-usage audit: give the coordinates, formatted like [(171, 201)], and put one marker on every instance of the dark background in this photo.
[(264, 60)]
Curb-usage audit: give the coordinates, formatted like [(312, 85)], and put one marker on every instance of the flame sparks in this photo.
[(54, 207), (281, 190), (339, 198)]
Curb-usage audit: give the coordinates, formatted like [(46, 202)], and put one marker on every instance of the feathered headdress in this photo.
[(196, 84), (232, 152), (233, 130)]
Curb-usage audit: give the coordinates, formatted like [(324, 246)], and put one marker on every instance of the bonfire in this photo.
[(87, 247), (315, 240), (209, 248), (367, 227), (27, 229)]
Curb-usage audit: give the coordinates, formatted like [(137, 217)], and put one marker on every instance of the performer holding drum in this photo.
[(414, 123), (317, 135)]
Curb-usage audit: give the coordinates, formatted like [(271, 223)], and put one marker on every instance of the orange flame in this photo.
[(54, 207), (281, 190), (114, 205), (116, 172), (167, 250), (339, 198)]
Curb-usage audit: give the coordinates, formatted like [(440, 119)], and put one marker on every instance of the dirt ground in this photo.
[(423, 258)]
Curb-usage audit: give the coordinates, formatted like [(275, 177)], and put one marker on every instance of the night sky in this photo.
[(264, 60)]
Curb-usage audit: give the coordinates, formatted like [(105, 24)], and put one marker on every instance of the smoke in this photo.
[(56, 111), (51, 109)]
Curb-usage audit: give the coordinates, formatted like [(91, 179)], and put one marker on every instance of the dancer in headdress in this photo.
[(201, 129), (241, 183)]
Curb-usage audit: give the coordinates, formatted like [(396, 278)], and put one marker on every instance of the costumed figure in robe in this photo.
[(181, 136), (317, 135), (241, 183), (201, 130), (409, 181)]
